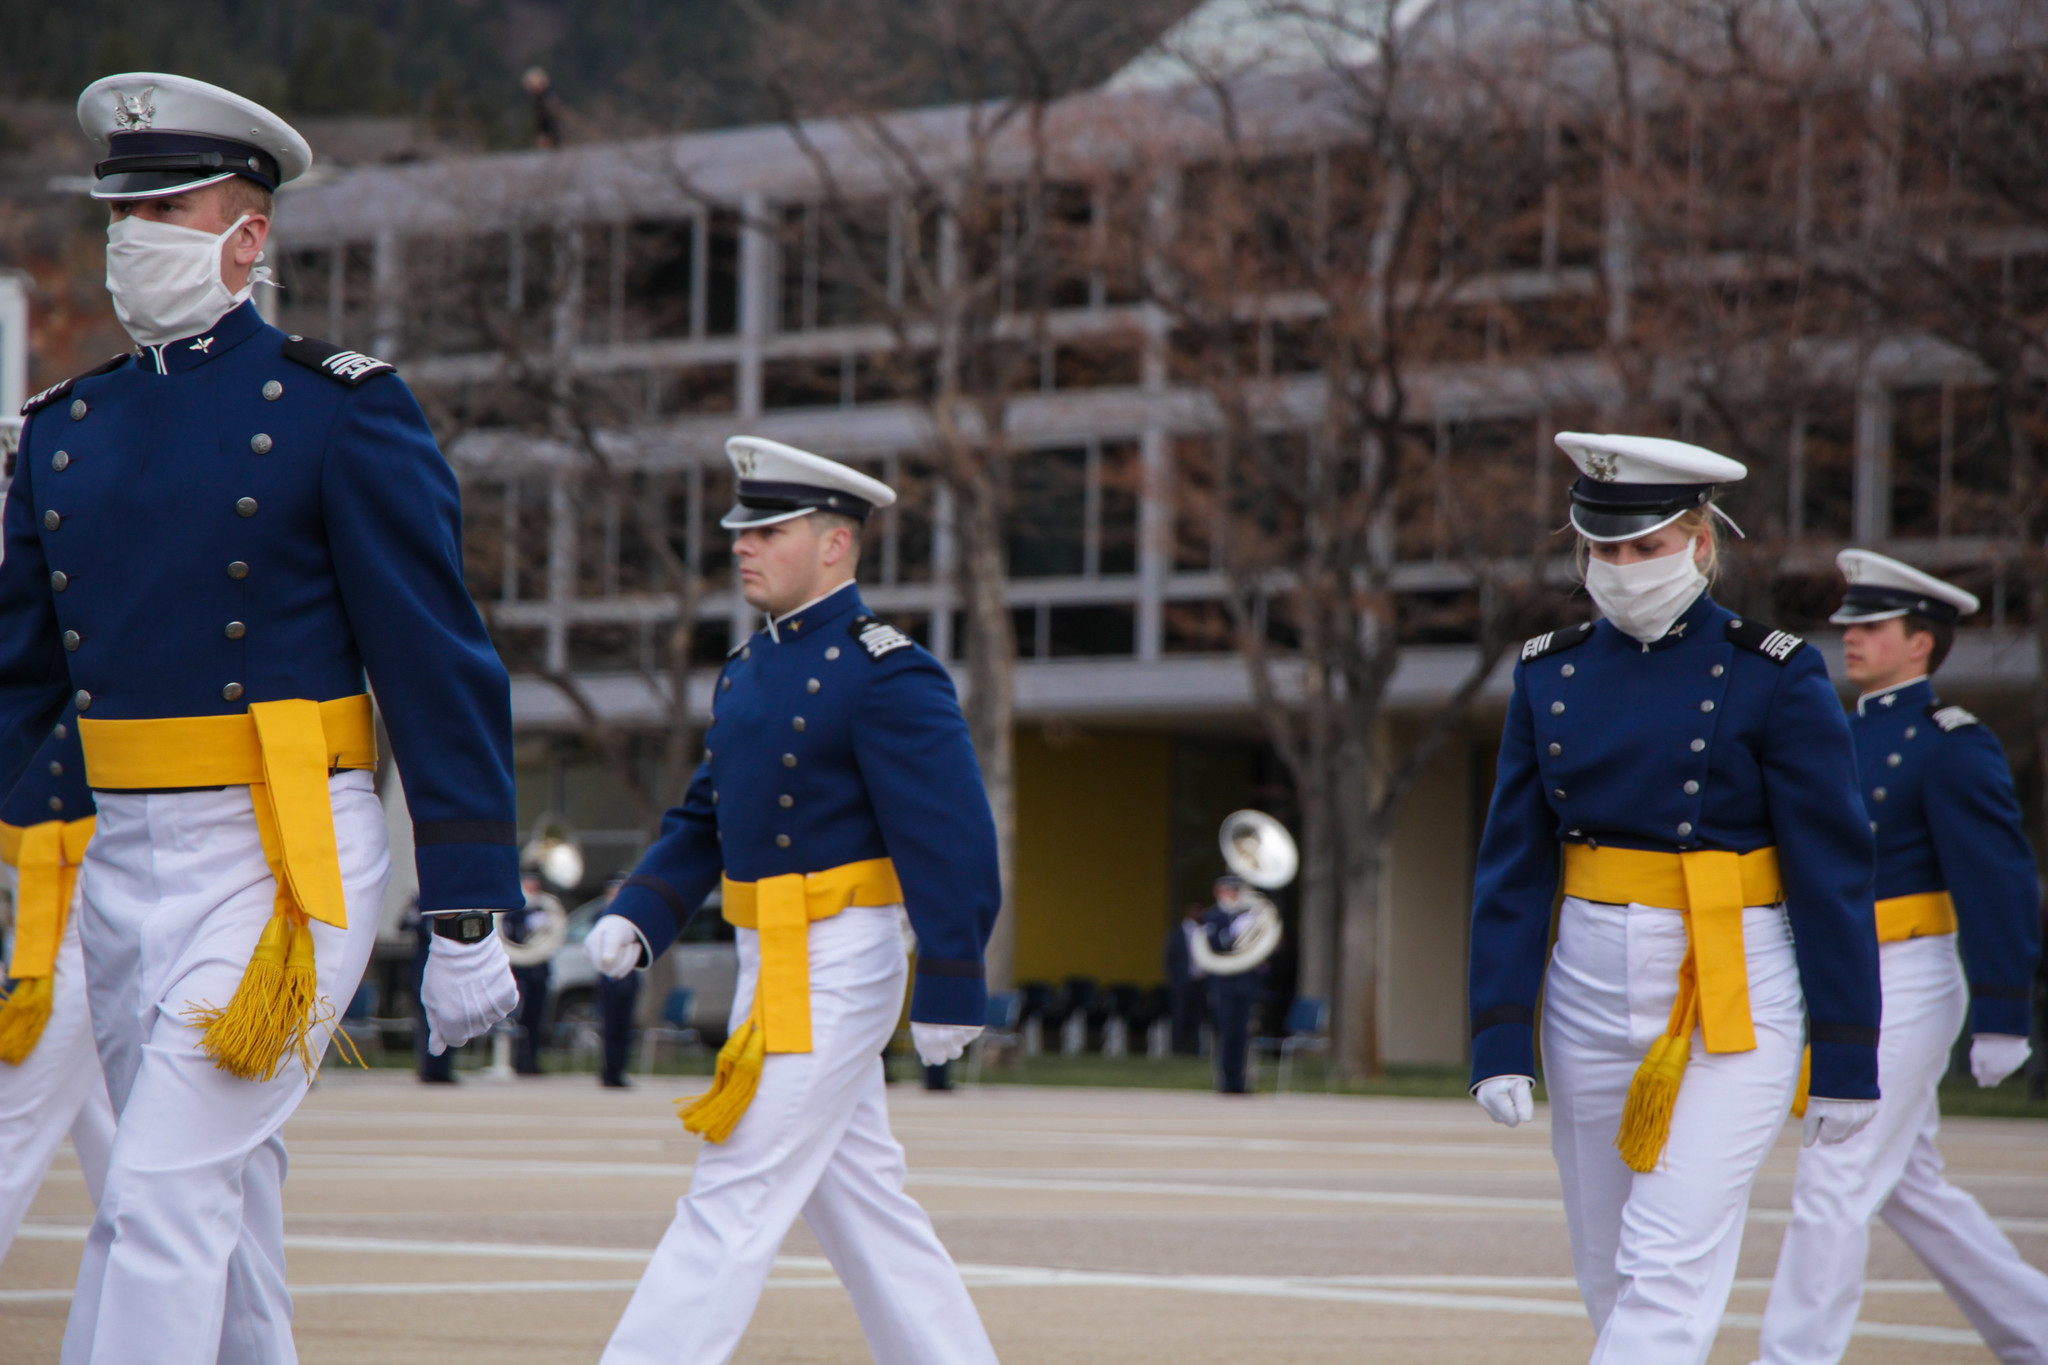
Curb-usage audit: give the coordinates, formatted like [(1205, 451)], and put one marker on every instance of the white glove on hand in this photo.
[(614, 946), (1831, 1121), (1994, 1056), (466, 988), (1507, 1100), (940, 1043)]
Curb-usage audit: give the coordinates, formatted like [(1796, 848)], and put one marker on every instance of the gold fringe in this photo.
[(274, 1011), (1646, 1117), (22, 1017), (715, 1113)]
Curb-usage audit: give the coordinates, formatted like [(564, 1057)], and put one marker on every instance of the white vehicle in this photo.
[(705, 961)]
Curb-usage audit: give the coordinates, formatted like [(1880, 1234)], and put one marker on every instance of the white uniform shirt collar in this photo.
[(774, 621), (1878, 697)]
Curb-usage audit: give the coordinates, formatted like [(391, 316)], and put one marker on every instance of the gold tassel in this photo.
[(22, 1017), (1646, 1117), (274, 1009), (1805, 1079), (715, 1113)]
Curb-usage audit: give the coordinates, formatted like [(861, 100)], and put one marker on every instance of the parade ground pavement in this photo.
[(506, 1222)]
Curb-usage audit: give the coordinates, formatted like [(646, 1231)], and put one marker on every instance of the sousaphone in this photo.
[(1260, 852)]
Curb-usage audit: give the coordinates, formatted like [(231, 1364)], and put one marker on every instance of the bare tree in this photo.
[(1308, 289), (947, 233)]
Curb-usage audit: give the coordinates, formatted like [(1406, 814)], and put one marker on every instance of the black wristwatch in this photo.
[(471, 926)]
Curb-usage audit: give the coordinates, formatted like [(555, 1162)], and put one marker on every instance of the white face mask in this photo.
[(1646, 598), (166, 279)]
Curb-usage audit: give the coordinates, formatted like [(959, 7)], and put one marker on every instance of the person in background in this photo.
[(1185, 992), (616, 999), (520, 926), (435, 1068), (1231, 997)]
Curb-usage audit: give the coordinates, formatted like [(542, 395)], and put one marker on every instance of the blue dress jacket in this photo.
[(1946, 818), (1722, 735), (243, 516), (53, 786), (834, 740)]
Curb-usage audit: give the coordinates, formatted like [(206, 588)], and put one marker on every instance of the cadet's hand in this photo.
[(467, 987), (1507, 1100), (1994, 1056), (614, 946), (940, 1043), (1832, 1121)]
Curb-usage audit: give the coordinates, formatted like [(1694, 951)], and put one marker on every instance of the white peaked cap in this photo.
[(1880, 588), (162, 134), (778, 482), (1629, 486)]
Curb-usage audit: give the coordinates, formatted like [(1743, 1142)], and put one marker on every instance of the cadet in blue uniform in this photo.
[(838, 791), (1953, 869), (209, 542), (1686, 777), (50, 1082)]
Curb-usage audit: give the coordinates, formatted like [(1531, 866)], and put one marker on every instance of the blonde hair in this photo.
[(1698, 521)]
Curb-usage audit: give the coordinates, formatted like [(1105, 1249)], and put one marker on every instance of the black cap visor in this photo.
[(762, 502), (1608, 512), (149, 165), (1870, 602)]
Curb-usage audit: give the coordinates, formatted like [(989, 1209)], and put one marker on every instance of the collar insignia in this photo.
[(1887, 699), (203, 345)]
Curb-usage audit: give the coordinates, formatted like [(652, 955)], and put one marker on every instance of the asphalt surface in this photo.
[(507, 1222)]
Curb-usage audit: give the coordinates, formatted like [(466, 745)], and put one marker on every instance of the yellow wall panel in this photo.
[(1094, 834)]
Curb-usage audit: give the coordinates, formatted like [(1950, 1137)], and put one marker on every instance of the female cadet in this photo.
[(1686, 777)]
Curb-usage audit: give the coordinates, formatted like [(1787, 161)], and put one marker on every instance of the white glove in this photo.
[(940, 1043), (1507, 1100), (1831, 1121), (614, 946), (466, 988), (1994, 1056)]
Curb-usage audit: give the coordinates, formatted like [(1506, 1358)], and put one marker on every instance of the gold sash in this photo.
[(46, 855), (781, 910), (283, 752), (1709, 888), (1902, 917)]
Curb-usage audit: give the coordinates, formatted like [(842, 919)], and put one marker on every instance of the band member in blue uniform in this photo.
[(1233, 995), (210, 541), (1685, 776), (1954, 869), (50, 1081), (838, 791)]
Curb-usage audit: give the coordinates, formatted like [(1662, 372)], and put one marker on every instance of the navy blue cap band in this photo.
[(190, 154), (1870, 599), (761, 495)]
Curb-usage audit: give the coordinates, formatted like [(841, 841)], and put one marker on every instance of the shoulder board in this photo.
[(1776, 645), (338, 363), (877, 636), (1547, 644), (1950, 717), (59, 390)]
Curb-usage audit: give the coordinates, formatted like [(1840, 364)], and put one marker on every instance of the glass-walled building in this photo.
[(587, 326)]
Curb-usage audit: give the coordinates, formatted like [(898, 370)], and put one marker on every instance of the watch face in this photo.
[(474, 927)]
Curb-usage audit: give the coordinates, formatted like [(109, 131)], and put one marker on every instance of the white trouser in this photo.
[(816, 1142), (185, 1262), (56, 1089), (1655, 1253), (1892, 1168)]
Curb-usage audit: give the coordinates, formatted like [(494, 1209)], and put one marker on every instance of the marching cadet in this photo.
[(838, 791), (1953, 869), (51, 1082), (1685, 776), (208, 543), (1233, 994)]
